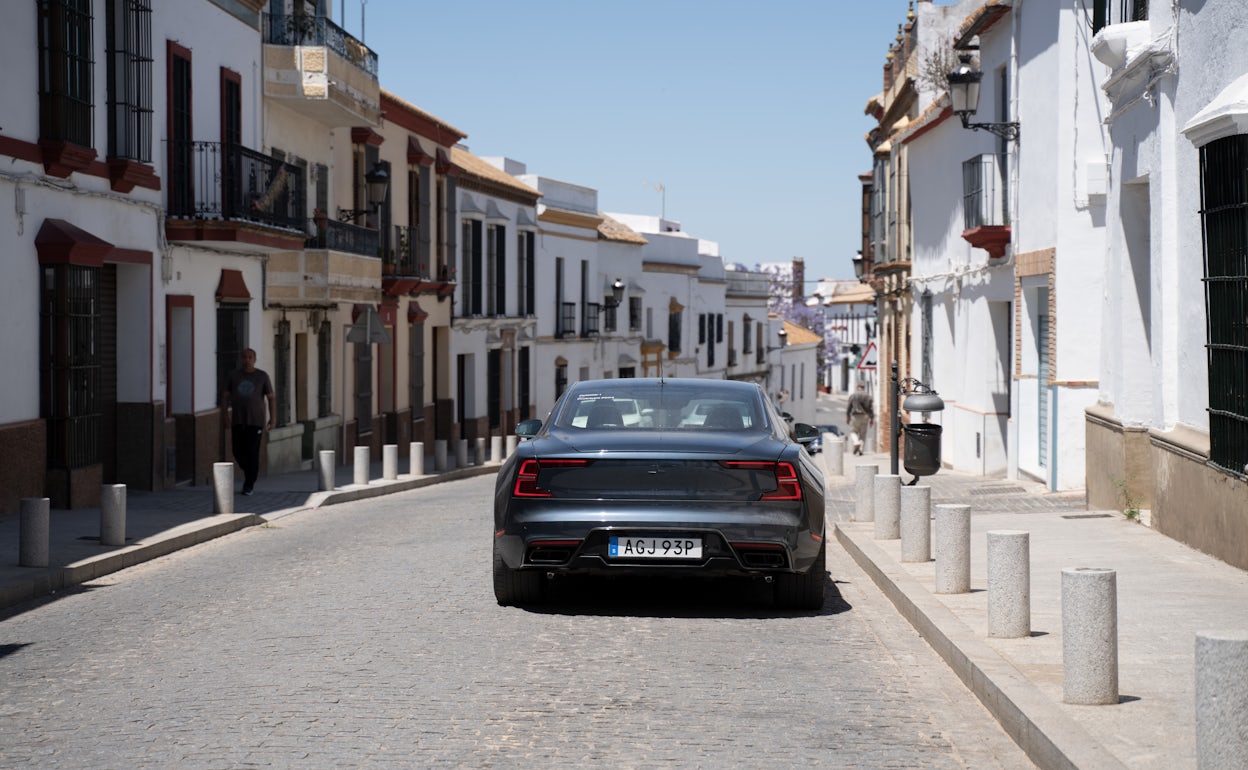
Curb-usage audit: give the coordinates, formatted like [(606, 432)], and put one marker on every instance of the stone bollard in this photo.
[(223, 487), (916, 523), (887, 506), (511, 443), (416, 459), (360, 469), (390, 461), (478, 452), (833, 454), (496, 450), (461, 453), (439, 454), (35, 525), (1221, 700), (113, 514), (325, 470), (864, 492), (1089, 636), (1009, 584), (953, 549)]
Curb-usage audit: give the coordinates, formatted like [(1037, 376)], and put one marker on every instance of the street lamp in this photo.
[(377, 181), (617, 294), (860, 267), (964, 99)]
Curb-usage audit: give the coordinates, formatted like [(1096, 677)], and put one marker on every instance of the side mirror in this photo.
[(528, 428), (803, 433)]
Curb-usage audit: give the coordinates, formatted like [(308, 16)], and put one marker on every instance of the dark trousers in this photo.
[(247, 452)]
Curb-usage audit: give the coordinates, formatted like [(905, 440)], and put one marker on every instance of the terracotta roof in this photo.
[(980, 20), (935, 113), (862, 294), (473, 166), (614, 230), (799, 335), (437, 123)]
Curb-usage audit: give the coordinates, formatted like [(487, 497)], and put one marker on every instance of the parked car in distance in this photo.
[(712, 483), (816, 446)]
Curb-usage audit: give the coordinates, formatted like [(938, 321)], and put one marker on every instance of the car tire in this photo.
[(804, 590), (515, 586)]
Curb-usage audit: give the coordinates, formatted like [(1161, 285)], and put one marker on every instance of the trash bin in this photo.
[(922, 445)]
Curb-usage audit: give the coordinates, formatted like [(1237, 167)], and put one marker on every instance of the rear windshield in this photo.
[(664, 407)]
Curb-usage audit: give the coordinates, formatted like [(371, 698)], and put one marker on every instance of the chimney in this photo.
[(799, 279)]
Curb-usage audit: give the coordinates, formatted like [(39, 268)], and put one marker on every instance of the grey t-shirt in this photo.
[(248, 391)]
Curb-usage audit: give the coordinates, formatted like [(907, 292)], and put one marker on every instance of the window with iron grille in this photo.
[(470, 267), (710, 348), (363, 388), (719, 327), (525, 296), (609, 309), (701, 328), (181, 175), (523, 393), (1224, 215), (129, 49), (759, 350), (561, 379), (495, 270), (494, 387), (281, 371), (634, 314), (231, 340), (673, 330), (70, 364), (416, 370), (65, 71), (747, 341), (1117, 11), (324, 368), (589, 324)]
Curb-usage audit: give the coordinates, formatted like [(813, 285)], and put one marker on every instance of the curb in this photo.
[(49, 580), (1049, 737)]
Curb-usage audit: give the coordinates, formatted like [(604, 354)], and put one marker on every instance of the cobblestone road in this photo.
[(366, 635)]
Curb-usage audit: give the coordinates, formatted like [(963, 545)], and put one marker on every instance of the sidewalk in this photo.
[(158, 523), (1166, 594)]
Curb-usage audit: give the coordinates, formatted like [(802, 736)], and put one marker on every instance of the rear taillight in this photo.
[(526, 477), (787, 485)]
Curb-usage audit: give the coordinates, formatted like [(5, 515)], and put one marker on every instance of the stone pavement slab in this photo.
[(1166, 594)]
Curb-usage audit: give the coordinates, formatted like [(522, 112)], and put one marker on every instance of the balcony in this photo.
[(338, 263), (314, 67), (747, 283), (984, 204), (231, 197)]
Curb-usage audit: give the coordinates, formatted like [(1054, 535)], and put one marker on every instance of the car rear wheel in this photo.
[(804, 590), (514, 586)]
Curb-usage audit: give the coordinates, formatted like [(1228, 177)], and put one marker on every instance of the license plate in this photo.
[(655, 548)]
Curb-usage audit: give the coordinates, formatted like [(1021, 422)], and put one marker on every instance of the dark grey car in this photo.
[(671, 477)]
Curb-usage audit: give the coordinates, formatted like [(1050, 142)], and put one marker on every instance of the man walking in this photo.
[(246, 391), (860, 414)]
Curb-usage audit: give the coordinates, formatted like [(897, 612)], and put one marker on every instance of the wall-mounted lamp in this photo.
[(378, 183), (860, 267), (964, 99), (617, 294), (783, 336)]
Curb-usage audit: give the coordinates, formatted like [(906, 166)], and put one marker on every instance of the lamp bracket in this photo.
[(1007, 131)]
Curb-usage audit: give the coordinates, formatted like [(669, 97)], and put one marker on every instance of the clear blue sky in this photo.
[(748, 113)]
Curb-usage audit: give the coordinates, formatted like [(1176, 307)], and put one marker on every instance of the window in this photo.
[(634, 314), (281, 371), (589, 324), (181, 174), (609, 309), (231, 340), (561, 379), (719, 327), (496, 271), (129, 49), (65, 69), (416, 370), (494, 387), (701, 328), (70, 365), (324, 367), (746, 346), (525, 276), (673, 330), (522, 387), (1117, 11), (470, 268), (1224, 214), (363, 388)]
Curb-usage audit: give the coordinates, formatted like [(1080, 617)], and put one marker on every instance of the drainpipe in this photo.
[(1011, 453)]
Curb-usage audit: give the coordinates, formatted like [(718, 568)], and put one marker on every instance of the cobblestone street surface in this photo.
[(366, 635)]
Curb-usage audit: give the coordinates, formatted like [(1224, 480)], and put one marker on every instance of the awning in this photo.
[(626, 360), (469, 208), (368, 327), (60, 242), (493, 215), (1225, 116), (232, 287)]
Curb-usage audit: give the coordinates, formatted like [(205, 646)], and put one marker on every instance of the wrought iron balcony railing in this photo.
[(402, 258), (302, 29), (215, 180), (345, 237)]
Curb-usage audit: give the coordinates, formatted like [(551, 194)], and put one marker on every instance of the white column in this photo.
[(1221, 700), (887, 506), (1089, 636), (416, 459), (496, 450), (360, 468), (864, 492), (439, 454), (833, 454), (461, 453), (390, 461), (1009, 584), (34, 528), (325, 477), (113, 514), (916, 523), (953, 549), (478, 452), (223, 487), (511, 443)]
